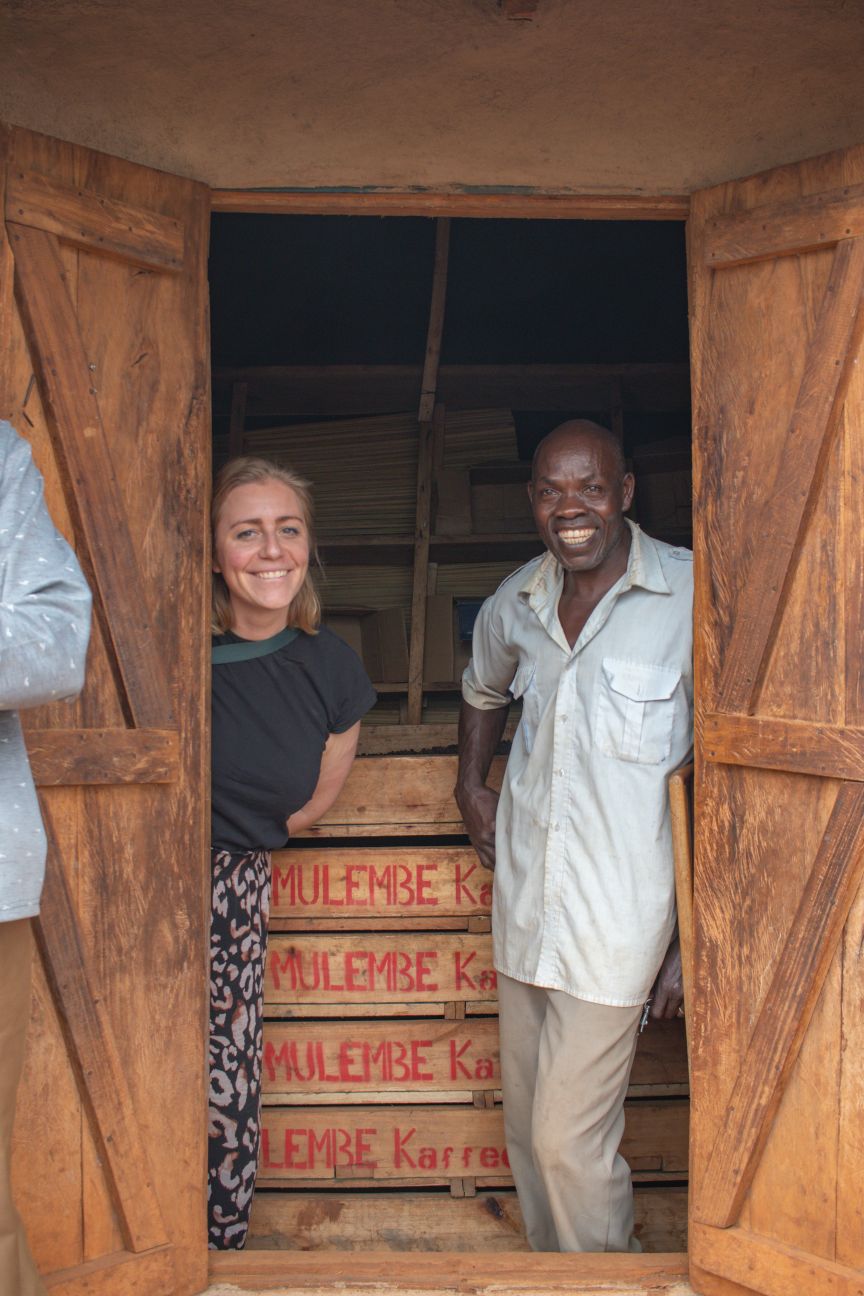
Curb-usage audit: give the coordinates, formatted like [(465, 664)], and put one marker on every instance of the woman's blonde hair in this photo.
[(305, 610)]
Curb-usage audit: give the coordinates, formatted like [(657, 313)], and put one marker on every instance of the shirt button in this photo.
[(564, 719), (560, 773)]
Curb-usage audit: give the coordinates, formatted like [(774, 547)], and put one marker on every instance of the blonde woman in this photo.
[(288, 697)]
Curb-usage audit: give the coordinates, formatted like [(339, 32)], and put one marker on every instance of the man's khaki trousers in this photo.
[(565, 1067), (18, 1276)]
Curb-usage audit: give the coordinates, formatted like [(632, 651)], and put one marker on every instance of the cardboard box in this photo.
[(499, 499), (377, 636), (452, 502)]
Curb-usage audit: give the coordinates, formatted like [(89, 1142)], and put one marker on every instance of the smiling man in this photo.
[(595, 638)]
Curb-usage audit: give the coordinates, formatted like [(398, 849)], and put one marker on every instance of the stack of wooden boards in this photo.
[(382, 1121), (364, 470)]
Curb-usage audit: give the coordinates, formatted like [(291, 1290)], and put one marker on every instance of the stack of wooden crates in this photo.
[(383, 1124)]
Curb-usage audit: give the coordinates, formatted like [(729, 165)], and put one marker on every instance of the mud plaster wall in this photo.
[(652, 95)]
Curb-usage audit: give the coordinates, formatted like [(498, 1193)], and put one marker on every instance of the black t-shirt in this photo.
[(271, 718)]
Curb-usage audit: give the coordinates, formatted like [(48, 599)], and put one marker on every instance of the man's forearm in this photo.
[(480, 733)]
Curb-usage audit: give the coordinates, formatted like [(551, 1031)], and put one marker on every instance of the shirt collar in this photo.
[(644, 569)]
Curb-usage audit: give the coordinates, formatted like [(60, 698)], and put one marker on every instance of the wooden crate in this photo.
[(398, 796), (437, 1144), (395, 1061), (341, 887), (381, 1057), (380, 974), (435, 1221)]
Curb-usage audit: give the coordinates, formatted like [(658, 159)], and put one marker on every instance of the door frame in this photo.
[(262, 1270)]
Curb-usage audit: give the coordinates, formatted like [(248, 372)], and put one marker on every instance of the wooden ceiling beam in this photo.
[(527, 204), (313, 390)]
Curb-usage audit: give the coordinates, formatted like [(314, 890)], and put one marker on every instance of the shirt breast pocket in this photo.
[(524, 686), (636, 710)]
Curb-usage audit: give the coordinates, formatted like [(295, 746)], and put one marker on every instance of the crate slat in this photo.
[(398, 1143), (367, 967), (406, 882), (394, 795), (375, 1061), (315, 1059), (396, 1221)]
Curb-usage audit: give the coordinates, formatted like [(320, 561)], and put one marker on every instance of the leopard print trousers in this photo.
[(238, 948)]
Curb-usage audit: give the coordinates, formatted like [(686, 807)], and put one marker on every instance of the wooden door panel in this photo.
[(100, 512), (106, 370), (778, 315)]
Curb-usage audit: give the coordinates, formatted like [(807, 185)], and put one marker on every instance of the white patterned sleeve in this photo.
[(45, 602)]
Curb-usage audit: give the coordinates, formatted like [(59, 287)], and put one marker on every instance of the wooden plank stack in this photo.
[(382, 1121), (364, 470)]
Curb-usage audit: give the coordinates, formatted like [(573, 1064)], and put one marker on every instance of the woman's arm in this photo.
[(338, 756)]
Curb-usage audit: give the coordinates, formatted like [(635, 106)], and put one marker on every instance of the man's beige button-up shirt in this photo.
[(584, 892)]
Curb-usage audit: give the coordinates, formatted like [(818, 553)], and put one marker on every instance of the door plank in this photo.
[(849, 1244), (827, 371), (88, 756), (384, 1273), (93, 1052), (785, 228), (768, 742), (768, 1266), (798, 977), (91, 220), (85, 455), (146, 1274)]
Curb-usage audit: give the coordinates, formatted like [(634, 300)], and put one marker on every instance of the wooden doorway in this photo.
[(780, 761), (380, 508)]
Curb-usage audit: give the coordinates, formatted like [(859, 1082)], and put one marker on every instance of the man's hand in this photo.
[(478, 807), (667, 995)]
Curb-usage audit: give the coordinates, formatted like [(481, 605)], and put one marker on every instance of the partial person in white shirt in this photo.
[(44, 632), (595, 638)]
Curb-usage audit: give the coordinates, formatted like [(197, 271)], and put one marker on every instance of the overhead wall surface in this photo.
[(662, 96)]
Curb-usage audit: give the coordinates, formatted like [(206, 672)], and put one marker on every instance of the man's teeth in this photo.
[(271, 575), (577, 537)]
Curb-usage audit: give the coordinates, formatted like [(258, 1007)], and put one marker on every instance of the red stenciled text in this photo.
[(409, 1154), (353, 971), (477, 979), (356, 886), (302, 1148), (476, 896), (349, 1062), (465, 1065)]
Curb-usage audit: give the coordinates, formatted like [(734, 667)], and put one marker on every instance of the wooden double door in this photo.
[(104, 367)]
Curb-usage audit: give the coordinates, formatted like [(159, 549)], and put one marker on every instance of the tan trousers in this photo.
[(565, 1066), (18, 1276)]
